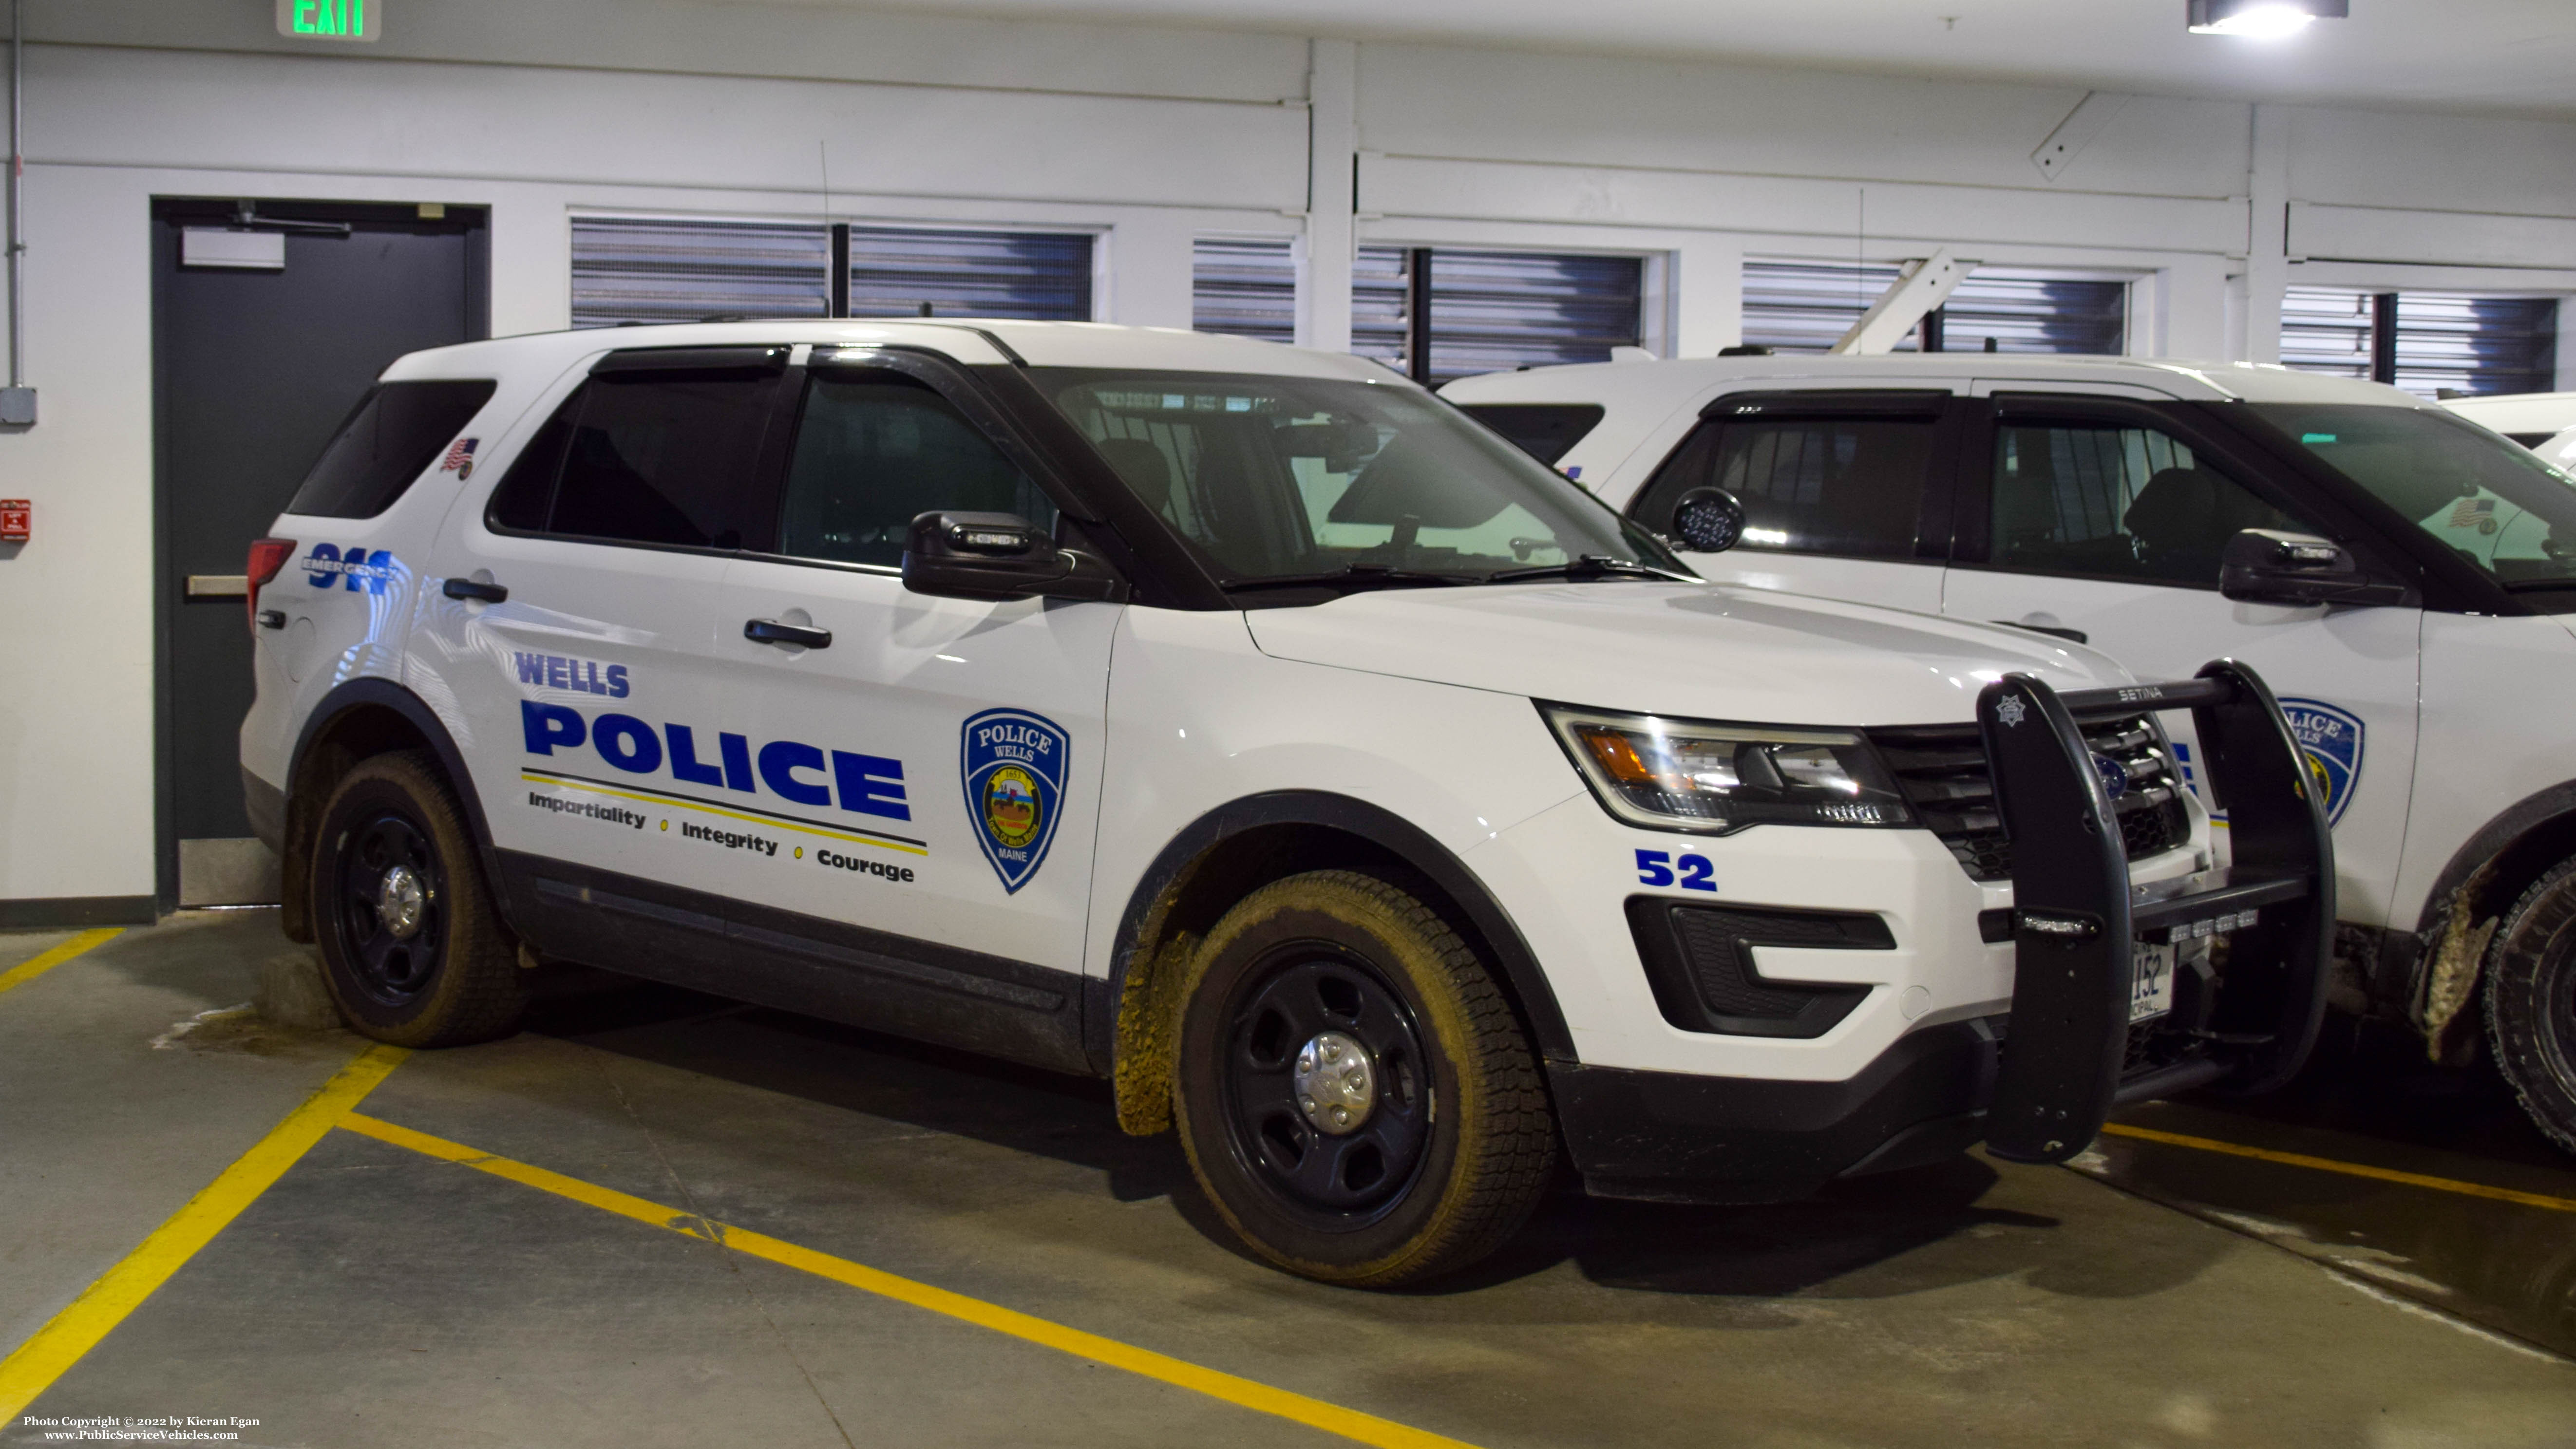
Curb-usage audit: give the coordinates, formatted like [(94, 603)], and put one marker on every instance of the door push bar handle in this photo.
[(770, 631), (469, 589)]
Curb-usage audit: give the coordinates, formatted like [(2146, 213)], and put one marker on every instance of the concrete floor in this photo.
[(377, 1296)]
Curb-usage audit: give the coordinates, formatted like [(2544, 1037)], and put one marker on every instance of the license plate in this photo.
[(2151, 984)]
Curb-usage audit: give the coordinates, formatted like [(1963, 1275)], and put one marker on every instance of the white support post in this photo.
[(1706, 279), (1150, 272), (2566, 346), (1332, 160), (2267, 260)]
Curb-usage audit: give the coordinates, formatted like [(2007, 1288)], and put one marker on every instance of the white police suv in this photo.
[(1251, 727), (2408, 581)]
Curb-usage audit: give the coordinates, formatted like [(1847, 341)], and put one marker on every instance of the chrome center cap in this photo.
[(400, 901), (1336, 1083)]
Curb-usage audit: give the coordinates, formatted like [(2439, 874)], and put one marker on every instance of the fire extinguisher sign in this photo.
[(13, 520)]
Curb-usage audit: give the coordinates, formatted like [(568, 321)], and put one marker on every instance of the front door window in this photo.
[(2111, 502)]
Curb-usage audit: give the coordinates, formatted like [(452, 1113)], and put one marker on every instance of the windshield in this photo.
[(2494, 503), (1284, 478)]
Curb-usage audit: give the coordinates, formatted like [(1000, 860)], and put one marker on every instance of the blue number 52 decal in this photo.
[(1655, 868)]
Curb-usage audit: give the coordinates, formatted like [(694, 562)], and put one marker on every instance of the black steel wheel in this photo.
[(392, 908), (1328, 1097), (1354, 1092), (2531, 1002), (412, 949)]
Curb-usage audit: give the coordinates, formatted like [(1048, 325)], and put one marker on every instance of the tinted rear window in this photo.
[(1823, 485), (648, 457), (397, 431), (1545, 431)]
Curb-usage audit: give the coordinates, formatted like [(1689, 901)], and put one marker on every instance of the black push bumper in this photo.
[(2244, 1016), (2249, 948)]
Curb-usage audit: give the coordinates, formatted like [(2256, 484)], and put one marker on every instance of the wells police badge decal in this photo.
[(1013, 765), (2333, 739)]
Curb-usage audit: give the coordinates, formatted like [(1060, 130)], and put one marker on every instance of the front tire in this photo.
[(412, 947), (2531, 1002), (1353, 1091)]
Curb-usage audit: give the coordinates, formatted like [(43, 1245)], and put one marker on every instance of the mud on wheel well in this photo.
[(1200, 892), (2482, 882), (335, 749)]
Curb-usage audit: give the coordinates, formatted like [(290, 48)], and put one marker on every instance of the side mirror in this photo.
[(994, 556), (2267, 566), (1708, 520)]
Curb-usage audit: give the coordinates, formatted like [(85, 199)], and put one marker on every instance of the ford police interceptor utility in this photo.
[(1249, 726), (2410, 587)]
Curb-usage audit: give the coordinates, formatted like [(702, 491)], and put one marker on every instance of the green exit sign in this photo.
[(331, 19)]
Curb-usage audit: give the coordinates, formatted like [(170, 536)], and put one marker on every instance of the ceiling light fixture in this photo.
[(2262, 19)]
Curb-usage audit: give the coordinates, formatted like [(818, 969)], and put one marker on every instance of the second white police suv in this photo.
[(2407, 580), (1248, 726)]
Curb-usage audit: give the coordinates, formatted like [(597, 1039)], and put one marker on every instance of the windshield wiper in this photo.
[(1590, 566), (1353, 577)]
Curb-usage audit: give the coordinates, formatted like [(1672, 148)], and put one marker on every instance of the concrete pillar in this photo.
[(1325, 252)]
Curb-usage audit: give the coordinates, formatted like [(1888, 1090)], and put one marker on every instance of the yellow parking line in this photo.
[(26, 971), (104, 1304), (1315, 1413), (2348, 1169)]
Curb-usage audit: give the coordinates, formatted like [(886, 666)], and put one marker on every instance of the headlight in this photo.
[(1678, 774)]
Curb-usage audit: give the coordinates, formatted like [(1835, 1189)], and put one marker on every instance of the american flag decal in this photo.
[(2470, 511), (459, 457)]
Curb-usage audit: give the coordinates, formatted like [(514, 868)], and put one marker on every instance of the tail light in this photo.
[(267, 557)]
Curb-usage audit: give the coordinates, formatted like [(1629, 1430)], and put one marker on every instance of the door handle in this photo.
[(770, 631), (469, 589)]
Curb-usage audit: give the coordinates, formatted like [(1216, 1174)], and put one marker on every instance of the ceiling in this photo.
[(2470, 55)]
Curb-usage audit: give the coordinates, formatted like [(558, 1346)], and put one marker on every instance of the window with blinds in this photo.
[(2428, 343), (1246, 286), (896, 271), (627, 269), (2327, 329), (631, 269), (1808, 306), (1496, 311)]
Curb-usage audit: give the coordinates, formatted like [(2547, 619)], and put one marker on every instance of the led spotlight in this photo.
[(2262, 19)]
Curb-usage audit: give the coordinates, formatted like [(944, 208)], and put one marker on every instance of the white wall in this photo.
[(1149, 136)]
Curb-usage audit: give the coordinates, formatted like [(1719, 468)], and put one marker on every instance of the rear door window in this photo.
[(397, 430), (1814, 477), (666, 457), (1545, 431), (874, 450), (2114, 501)]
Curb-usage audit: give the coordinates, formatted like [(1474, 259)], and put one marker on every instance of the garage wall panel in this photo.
[(2385, 234), (819, 41), (521, 123), (1426, 100), (2410, 160), (1954, 215), (76, 743)]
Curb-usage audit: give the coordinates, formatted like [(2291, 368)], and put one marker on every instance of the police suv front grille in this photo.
[(1942, 770)]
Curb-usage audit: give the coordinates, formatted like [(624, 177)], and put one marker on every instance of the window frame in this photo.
[(1936, 509), (1973, 533)]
